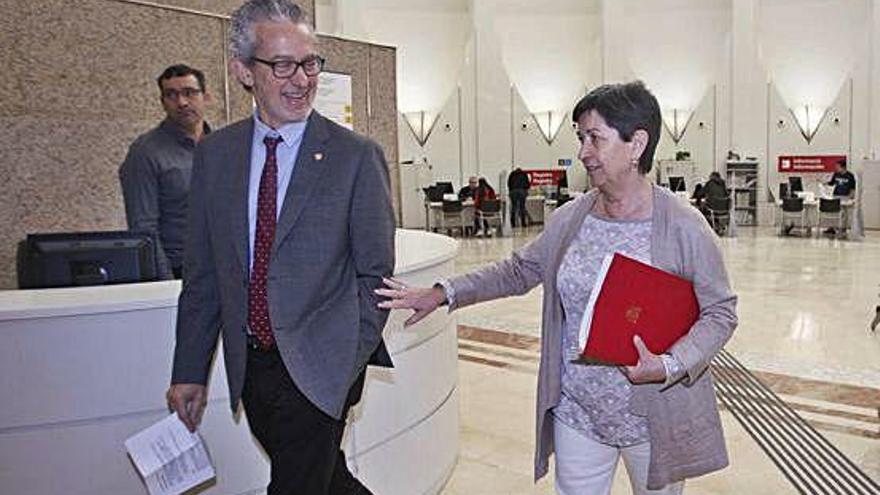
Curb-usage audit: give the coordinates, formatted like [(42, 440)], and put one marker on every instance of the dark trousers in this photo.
[(303, 443), (518, 207), (477, 225)]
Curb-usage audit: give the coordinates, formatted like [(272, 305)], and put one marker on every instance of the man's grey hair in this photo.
[(242, 40)]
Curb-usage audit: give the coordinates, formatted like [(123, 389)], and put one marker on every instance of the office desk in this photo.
[(84, 368), (535, 208), (434, 210), (549, 207), (811, 212)]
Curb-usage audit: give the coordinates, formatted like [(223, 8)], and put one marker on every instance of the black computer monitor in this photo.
[(86, 258), (445, 188), (677, 184), (783, 190), (795, 185), (432, 194)]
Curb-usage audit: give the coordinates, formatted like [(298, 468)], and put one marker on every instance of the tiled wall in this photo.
[(78, 86), (383, 110), (225, 7)]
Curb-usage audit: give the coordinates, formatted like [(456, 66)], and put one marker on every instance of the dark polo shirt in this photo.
[(155, 180)]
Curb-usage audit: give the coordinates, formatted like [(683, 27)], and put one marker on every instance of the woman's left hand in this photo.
[(650, 367)]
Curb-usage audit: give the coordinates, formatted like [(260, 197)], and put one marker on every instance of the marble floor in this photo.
[(805, 306)]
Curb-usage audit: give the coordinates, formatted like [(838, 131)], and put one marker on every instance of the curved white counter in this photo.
[(82, 369)]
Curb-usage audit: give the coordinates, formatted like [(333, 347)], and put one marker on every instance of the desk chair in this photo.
[(445, 187), (433, 194), (677, 184), (718, 213), (793, 209), (795, 185), (489, 214), (452, 217), (783, 190), (832, 213)]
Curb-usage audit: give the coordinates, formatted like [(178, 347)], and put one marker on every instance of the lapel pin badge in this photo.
[(319, 156)]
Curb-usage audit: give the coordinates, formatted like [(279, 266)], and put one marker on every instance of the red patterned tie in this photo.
[(258, 303)]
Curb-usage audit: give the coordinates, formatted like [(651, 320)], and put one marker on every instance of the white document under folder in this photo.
[(170, 458)]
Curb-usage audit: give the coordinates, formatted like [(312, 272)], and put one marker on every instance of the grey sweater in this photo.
[(683, 421)]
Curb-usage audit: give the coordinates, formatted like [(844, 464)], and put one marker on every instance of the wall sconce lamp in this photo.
[(548, 123), (676, 123), (809, 120), (420, 124)]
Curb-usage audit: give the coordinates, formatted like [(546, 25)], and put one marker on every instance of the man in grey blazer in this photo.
[(290, 231)]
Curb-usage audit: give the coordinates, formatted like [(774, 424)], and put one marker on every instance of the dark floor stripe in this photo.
[(511, 355), (784, 384), (506, 339), (497, 364)]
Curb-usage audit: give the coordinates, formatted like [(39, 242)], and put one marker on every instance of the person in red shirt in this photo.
[(483, 192)]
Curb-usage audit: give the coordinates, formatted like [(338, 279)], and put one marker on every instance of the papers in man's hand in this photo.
[(169, 457)]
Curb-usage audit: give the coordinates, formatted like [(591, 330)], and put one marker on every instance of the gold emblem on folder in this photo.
[(632, 314)]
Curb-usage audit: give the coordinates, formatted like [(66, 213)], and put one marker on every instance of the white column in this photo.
[(349, 21), (468, 84), (492, 116), (748, 83), (615, 66), (873, 145), (748, 96)]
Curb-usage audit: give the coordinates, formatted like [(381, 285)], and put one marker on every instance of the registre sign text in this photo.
[(544, 177)]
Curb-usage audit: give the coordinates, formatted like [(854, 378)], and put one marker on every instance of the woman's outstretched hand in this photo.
[(421, 300)]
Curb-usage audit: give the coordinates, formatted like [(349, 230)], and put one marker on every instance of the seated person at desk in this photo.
[(844, 183), (698, 196), (483, 192), (467, 192), (714, 189)]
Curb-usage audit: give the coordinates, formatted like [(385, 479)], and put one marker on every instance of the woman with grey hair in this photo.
[(659, 415)]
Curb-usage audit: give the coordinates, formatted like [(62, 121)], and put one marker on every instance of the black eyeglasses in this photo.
[(282, 69), (173, 94)]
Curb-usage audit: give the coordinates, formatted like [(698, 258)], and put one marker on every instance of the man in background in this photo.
[(518, 188), (467, 192), (290, 232), (156, 172), (844, 181)]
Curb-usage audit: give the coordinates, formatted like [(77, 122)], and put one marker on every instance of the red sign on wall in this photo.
[(544, 177), (809, 163)]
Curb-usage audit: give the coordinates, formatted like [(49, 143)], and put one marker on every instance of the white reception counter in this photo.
[(82, 369)]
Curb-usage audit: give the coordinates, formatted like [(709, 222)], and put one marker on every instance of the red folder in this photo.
[(635, 299)]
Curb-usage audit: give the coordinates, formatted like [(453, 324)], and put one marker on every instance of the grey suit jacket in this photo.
[(334, 242), (683, 421)]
